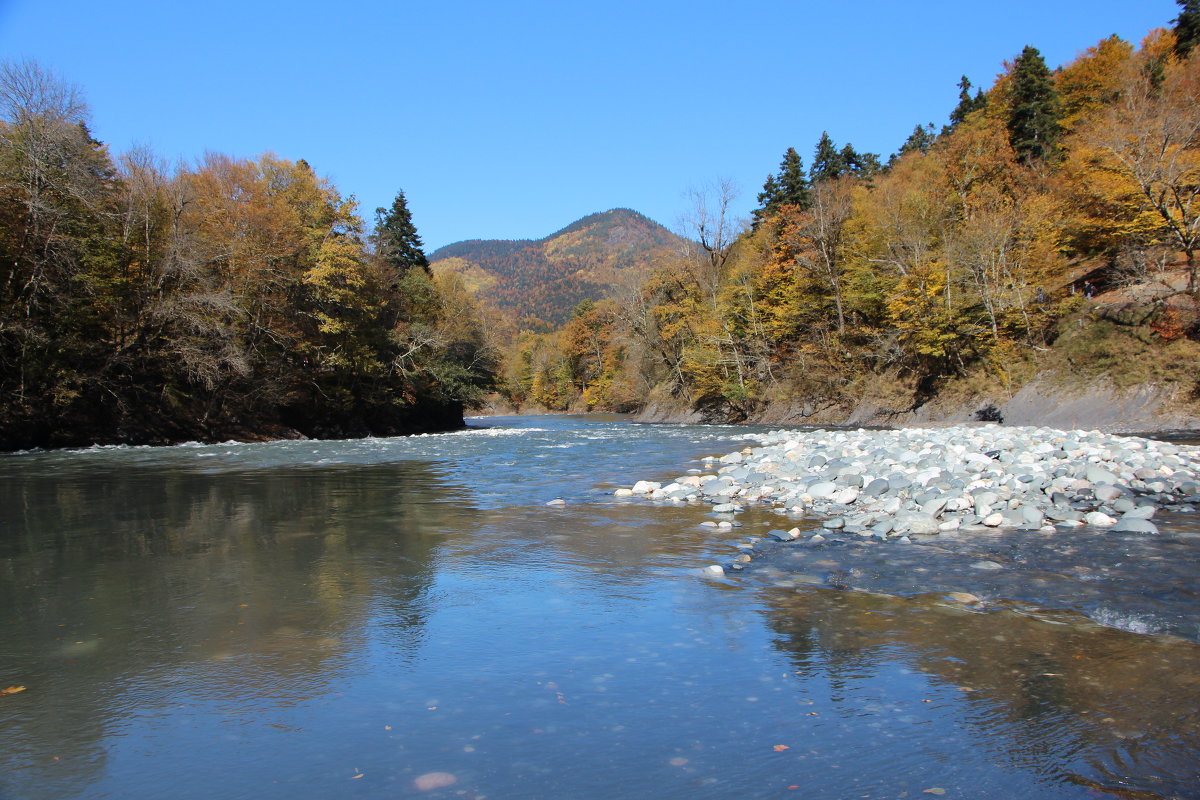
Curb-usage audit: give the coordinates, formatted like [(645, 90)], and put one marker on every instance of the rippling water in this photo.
[(407, 618)]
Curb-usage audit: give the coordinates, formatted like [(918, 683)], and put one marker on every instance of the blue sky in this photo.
[(513, 119)]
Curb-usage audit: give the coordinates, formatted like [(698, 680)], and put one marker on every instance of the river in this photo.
[(406, 617)]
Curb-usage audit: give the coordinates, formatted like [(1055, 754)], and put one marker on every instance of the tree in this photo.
[(1187, 27), (919, 141), (1151, 141), (966, 104), (396, 238), (787, 188), (1033, 127), (828, 161)]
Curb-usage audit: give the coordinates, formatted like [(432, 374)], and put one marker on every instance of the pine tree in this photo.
[(1033, 129), (1187, 27), (828, 161), (920, 140), (787, 188), (966, 104), (396, 239)]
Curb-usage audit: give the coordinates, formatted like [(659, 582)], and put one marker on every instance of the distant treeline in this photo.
[(963, 257), (233, 297)]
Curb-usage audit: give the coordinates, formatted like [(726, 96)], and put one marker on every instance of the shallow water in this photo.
[(407, 618)]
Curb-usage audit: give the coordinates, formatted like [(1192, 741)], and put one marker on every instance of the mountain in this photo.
[(545, 279)]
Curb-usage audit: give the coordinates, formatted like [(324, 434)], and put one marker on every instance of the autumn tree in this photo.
[(1151, 141)]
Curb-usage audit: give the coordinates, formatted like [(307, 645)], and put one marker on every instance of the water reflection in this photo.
[(128, 591), (1068, 700)]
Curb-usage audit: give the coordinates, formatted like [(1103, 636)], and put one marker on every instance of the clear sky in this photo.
[(512, 119)]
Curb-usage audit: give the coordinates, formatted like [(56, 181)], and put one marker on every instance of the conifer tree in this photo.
[(1033, 129), (828, 161), (966, 104), (920, 140), (396, 237), (1187, 27), (787, 188)]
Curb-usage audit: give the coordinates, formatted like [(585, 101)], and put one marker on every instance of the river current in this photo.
[(407, 617)]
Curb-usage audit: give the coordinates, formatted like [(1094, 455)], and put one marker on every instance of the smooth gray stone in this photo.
[(1097, 474), (837, 523), (883, 527), (934, 507), (1106, 492), (1032, 514), (1141, 512), (898, 482), (822, 490), (877, 487), (852, 479), (1134, 525), (1124, 505), (781, 536)]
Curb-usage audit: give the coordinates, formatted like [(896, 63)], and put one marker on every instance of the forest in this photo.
[(230, 298), (1051, 227)]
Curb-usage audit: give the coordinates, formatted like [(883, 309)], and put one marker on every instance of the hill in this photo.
[(544, 279)]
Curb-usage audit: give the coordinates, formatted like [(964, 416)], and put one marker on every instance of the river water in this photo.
[(406, 617)]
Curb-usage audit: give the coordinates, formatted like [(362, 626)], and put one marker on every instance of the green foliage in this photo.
[(396, 239), (1033, 119), (1187, 27), (787, 187)]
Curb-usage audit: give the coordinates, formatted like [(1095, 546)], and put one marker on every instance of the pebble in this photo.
[(885, 484)]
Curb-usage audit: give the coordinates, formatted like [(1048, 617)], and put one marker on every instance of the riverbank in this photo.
[(894, 484), (1046, 400)]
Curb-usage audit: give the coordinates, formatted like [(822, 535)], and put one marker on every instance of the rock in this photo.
[(993, 520), (1098, 518), (987, 565), (781, 536), (1106, 493), (837, 523), (876, 488), (726, 508), (557, 502), (645, 487), (434, 780), (845, 497), (713, 570), (1134, 525), (963, 597), (1141, 512), (1097, 475), (823, 490), (623, 493)]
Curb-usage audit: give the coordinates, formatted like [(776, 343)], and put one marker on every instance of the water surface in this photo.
[(407, 618)]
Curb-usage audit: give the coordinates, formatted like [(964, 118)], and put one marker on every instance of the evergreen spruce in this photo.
[(1187, 27), (396, 239), (920, 140), (966, 104), (787, 188), (1033, 129), (828, 161)]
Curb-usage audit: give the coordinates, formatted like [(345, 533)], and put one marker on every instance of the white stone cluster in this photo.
[(891, 483)]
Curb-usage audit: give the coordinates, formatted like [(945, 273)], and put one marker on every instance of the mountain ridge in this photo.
[(540, 281)]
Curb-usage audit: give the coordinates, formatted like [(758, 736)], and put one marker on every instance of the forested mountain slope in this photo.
[(1047, 236), (539, 282)]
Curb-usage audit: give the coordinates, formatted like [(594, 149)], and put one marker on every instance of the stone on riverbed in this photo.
[(930, 480)]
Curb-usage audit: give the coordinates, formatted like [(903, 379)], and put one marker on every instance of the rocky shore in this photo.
[(893, 484)]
